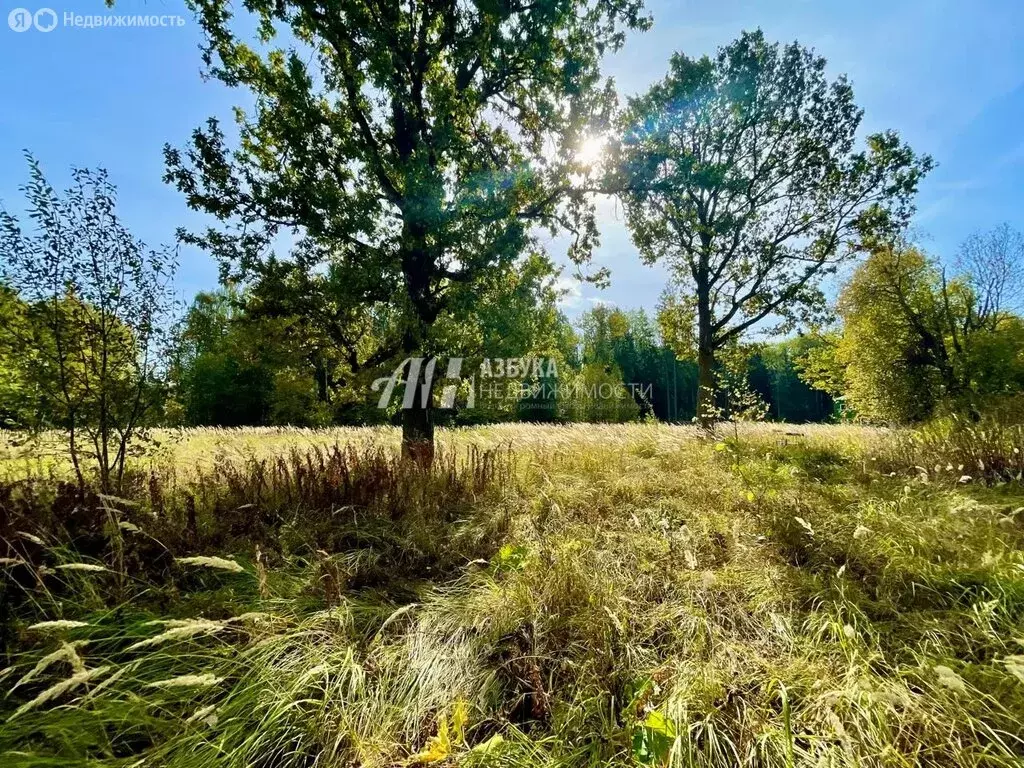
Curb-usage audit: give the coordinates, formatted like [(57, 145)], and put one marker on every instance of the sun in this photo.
[(590, 151)]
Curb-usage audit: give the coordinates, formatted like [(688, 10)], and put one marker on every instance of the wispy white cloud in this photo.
[(571, 292)]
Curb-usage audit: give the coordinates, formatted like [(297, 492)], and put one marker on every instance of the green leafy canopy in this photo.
[(741, 172), (409, 148)]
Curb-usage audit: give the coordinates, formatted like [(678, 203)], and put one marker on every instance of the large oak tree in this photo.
[(741, 171), (409, 147)]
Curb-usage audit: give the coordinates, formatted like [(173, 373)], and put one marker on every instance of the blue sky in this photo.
[(948, 75)]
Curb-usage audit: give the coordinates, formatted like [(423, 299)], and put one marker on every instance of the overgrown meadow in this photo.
[(541, 596)]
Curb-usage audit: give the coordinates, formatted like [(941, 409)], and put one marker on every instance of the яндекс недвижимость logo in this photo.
[(22, 19), (46, 20)]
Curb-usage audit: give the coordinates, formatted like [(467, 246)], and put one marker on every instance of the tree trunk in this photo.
[(706, 409), (418, 435), (320, 371), (417, 420), (707, 412)]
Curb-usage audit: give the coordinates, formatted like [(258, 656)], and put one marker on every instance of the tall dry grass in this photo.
[(545, 596)]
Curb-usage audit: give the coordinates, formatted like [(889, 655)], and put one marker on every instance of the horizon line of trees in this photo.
[(227, 367), (86, 344), (411, 153), (911, 338)]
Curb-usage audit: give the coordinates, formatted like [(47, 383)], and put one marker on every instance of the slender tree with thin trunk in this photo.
[(98, 304)]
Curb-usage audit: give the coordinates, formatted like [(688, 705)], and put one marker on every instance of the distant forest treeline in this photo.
[(910, 339), (236, 369), (229, 366)]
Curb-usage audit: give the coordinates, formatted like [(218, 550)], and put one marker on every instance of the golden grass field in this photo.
[(586, 595), (198, 448)]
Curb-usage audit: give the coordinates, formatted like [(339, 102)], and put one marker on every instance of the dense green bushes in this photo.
[(917, 341)]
